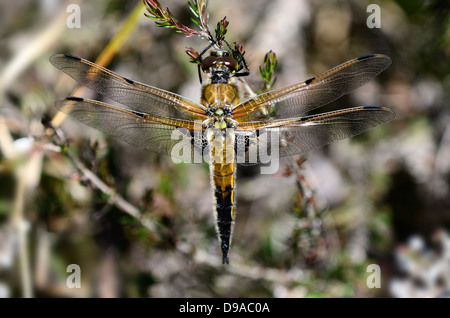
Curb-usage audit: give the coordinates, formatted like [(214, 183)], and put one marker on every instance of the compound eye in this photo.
[(213, 53), (226, 53), (208, 62), (231, 63)]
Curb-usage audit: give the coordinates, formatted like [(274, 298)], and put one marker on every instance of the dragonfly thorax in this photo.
[(219, 118), (219, 100)]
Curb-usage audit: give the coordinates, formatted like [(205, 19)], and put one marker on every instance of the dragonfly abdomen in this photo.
[(223, 174), (225, 205)]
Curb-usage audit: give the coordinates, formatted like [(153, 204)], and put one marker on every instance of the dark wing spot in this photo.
[(308, 81), (365, 57), (72, 57), (75, 99), (372, 107), (129, 81), (138, 114)]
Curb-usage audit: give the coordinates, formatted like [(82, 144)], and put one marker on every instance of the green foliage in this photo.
[(221, 30), (198, 9), (195, 57), (165, 19), (267, 70), (238, 53)]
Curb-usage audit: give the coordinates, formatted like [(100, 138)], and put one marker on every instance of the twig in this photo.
[(114, 197), (20, 225), (17, 217), (252, 272)]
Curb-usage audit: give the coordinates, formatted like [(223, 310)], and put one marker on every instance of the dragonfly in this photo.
[(224, 128)]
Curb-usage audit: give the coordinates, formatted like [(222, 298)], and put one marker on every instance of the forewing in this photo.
[(137, 96), (296, 100), (297, 136)]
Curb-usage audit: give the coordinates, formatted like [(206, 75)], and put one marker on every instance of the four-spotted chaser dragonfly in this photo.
[(221, 125)]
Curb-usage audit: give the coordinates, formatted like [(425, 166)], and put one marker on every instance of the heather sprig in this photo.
[(267, 70), (194, 55), (198, 9), (165, 19), (221, 30), (238, 52)]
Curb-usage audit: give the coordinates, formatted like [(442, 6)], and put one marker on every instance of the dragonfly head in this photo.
[(220, 65)]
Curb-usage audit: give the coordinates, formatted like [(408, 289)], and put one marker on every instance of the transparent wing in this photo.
[(137, 96), (161, 135), (298, 99), (283, 138)]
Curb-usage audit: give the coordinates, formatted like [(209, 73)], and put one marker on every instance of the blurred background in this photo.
[(139, 225)]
